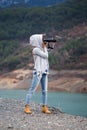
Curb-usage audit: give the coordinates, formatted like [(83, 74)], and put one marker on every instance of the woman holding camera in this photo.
[(40, 72)]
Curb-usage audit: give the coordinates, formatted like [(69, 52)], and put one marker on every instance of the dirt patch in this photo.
[(64, 80)]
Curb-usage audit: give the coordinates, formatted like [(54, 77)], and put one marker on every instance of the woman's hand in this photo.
[(44, 45)]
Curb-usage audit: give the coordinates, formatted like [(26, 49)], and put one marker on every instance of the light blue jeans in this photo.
[(43, 79)]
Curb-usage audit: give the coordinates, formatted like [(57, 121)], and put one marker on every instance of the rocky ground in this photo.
[(64, 80), (12, 117), (12, 114)]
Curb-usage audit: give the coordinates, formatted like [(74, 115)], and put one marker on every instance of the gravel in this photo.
[(12, 117)]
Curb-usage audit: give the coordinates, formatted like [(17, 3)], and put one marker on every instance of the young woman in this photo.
[(40, 72)]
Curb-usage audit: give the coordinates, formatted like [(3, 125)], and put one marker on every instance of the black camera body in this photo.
[(49, 41)]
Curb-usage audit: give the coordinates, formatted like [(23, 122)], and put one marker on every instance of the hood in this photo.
[(36, 40)]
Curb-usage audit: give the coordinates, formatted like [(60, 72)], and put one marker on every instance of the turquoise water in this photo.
[(75, 104)]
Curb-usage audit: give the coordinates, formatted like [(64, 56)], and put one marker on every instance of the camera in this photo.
[(50, 42)]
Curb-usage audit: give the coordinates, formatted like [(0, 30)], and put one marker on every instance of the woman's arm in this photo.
[(39, 52)]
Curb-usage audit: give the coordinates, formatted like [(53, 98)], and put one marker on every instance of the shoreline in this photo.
[(70, 103), (12, 116)]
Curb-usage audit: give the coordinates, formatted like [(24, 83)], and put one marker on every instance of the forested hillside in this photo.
[(17, 24), (20, 23)]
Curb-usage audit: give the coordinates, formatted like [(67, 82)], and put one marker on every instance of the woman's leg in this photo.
[(35, 82), (44, 85)]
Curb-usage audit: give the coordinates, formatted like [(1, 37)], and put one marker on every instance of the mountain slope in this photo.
[(20, 23), (17, 24)]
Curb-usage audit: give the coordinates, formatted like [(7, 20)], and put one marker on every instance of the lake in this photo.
[(71, 103)]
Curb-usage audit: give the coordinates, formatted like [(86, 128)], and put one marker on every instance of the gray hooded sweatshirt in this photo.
[(40, 54)]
